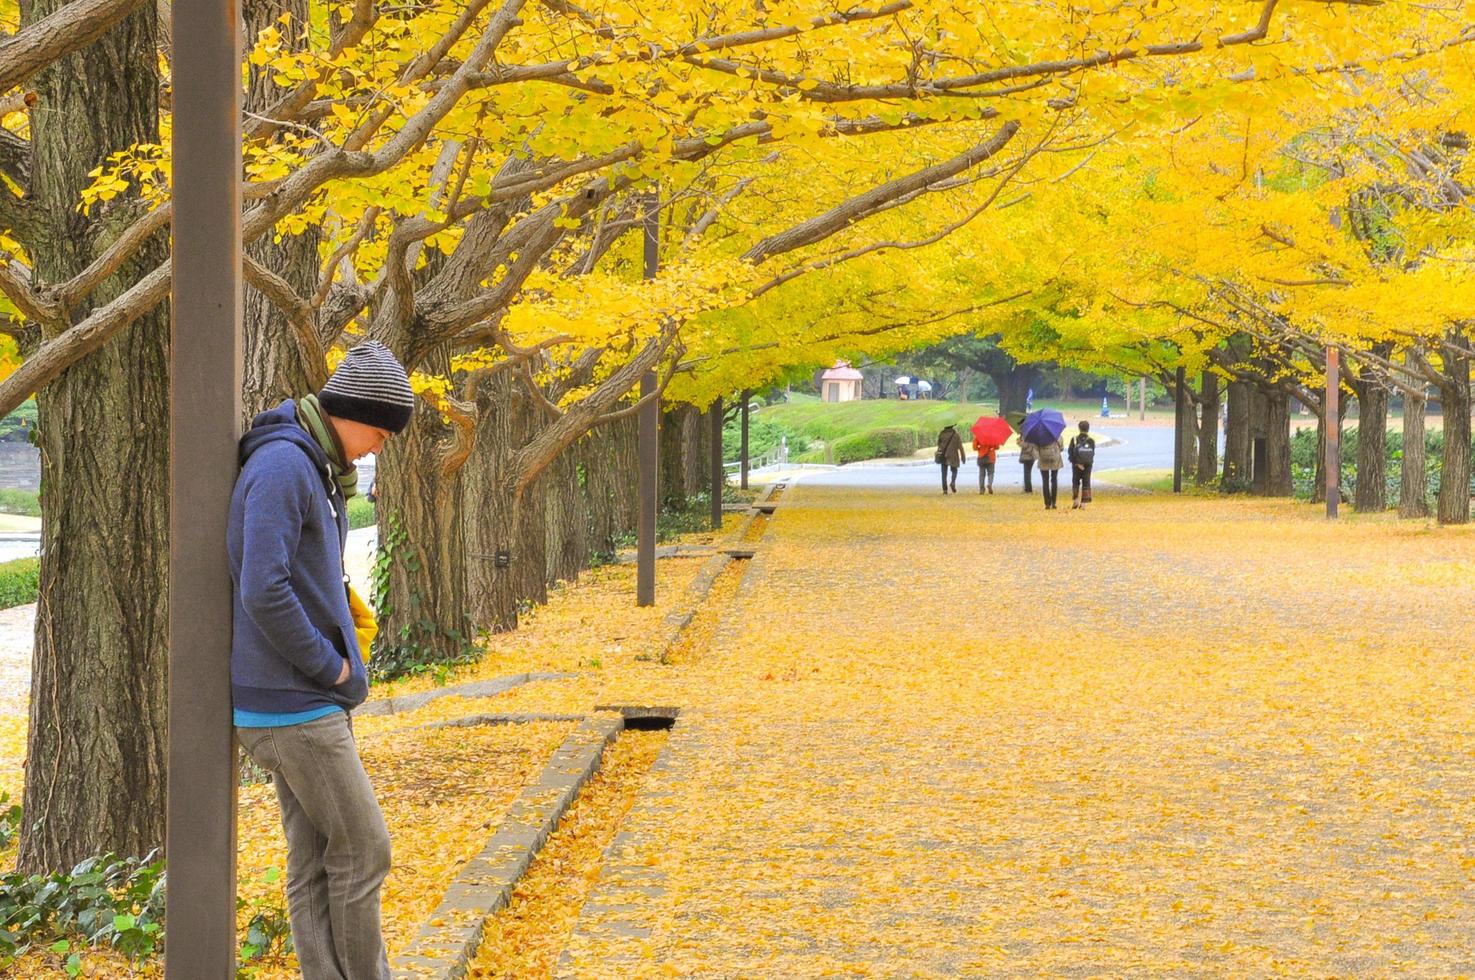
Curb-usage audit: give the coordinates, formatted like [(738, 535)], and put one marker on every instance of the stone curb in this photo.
[(470, 689), (519, 718), (448, 942), (696, 593)]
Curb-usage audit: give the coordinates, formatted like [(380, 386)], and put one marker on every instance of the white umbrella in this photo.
[(903, 380), (924, 386)]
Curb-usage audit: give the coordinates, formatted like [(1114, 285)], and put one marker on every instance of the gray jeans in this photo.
[(337, 845)]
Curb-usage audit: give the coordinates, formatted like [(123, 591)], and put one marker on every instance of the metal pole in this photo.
[(648, 438), (204, 414), (1142, 399), (743, 451), (1332, 463), (719, 476), (1177, 433)]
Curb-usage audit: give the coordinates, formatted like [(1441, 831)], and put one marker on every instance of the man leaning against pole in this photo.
[(296, 668)]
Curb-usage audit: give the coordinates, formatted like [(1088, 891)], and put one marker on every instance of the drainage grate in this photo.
[(643, 717)]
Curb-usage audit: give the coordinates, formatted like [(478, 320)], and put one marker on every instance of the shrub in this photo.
[(851, 449), (875, 443), (1305, 447), (898, 440), (20, 582), (24, 502), (360, 513), (104, 901)]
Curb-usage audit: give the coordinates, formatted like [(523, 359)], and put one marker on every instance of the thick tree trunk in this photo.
[(1014, 387), (1187, 431), (1372, 445), (566, 519), (672, 457), (1237, 442), (96, 741), (274, 368), (696, 438), (1278, 482), (1413, 492), (608, 458), (423, 614), (1454, 399), (1208, 429), (506, 538)]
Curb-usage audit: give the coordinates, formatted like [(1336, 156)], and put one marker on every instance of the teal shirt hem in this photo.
[(266, 719)]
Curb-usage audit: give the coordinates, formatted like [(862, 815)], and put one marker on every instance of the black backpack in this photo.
[(1085, 450)]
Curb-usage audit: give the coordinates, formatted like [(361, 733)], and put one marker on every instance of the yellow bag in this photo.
[(364, 623)]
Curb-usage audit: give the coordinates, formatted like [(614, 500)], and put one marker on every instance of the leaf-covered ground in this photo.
[(967, 736), (959, 735)]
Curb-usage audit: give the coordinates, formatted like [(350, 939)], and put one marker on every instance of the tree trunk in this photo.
[(423, 615), (274, 368), (1014, 386), (1454, 399), (672, 455), (1187, 431), (1237, 443), (1278, 481), (1208, 429), (696, 438), (96, 741), (1413, 493), (1372, 444), (507, 544), (566, 519), (608, 458)]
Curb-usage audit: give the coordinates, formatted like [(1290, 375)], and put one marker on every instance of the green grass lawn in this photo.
[(831, 421)]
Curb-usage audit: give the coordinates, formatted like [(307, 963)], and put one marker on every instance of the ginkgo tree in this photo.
[(456, 180)]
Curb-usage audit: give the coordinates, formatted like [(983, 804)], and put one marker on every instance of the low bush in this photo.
[(20, 582), (26, 503), (104, 901), (360, 513), (875, 444), (1305, 446)]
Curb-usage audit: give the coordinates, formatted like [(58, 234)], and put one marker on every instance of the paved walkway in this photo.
[(963, 736)]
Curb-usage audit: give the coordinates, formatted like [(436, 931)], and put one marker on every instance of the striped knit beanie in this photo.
[(370, 386)]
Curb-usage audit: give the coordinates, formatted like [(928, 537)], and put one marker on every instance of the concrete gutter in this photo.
[(449, 940)]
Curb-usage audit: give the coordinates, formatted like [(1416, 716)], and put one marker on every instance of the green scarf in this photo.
[(310, 417)]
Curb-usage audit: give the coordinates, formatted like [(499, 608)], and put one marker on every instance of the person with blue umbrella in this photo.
[(1042, 430)]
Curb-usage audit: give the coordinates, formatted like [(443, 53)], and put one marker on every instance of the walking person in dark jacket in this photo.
[(296, 669), (1050, 464), (1082, 454), (950, 454), (1028, 453)]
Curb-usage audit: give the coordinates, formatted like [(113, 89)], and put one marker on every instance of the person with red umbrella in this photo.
[(989, 433)]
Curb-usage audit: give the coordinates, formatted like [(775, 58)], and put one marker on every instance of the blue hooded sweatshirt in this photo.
[(292, 627)]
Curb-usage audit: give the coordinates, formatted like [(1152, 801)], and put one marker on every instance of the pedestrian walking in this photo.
[(950, 456), (296, 665), (1050, 461), (987, 456), (1082, 453), (1028, 453)]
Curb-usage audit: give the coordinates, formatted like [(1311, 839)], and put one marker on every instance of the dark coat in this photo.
[(951, 446)]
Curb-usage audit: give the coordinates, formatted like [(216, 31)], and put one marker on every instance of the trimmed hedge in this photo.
[(360, 513), (27, 503), (20, 582), (875, 443)]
